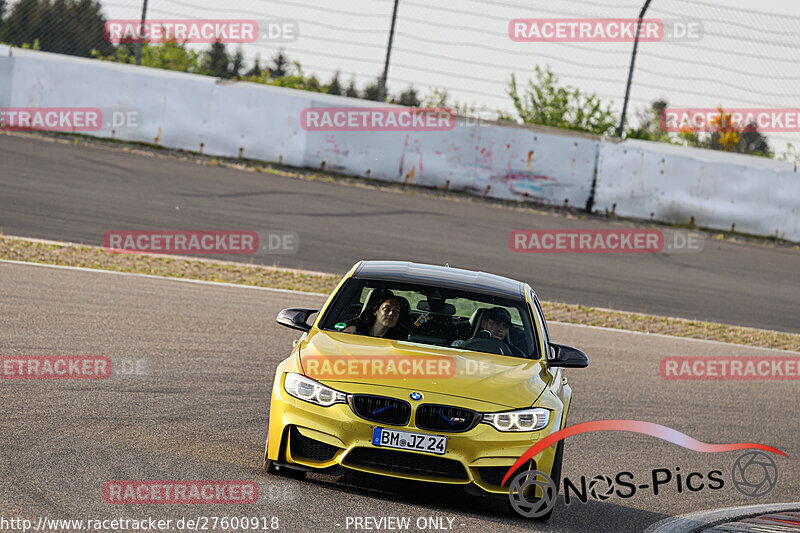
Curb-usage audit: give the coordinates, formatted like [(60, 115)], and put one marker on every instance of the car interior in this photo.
[(433, 320)]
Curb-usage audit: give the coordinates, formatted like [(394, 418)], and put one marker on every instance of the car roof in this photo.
[(441, 276)]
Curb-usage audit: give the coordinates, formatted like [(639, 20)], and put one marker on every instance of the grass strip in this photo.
[(67, 254)]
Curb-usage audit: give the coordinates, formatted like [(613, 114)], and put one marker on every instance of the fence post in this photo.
[(382, 92), (141, 34), (630, 72)]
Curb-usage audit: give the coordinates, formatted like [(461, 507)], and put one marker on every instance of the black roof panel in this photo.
[(452, 278)]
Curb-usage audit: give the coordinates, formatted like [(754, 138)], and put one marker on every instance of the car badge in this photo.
[(416, 396)]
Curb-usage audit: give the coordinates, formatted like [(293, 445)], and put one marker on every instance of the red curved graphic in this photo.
[(635, 426)]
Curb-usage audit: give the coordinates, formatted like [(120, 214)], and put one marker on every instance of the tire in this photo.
[(509, 510), (555, 475), (279, 470)]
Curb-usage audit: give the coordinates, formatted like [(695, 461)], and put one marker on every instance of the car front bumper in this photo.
[(309, 436)]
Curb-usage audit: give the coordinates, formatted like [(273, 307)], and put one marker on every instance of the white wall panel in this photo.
[(674, 184), (633, 178)]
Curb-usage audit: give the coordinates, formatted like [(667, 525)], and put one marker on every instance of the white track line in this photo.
[(602, 328), (289, 291), (152, 276)]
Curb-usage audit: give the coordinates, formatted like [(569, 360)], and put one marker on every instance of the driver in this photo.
[(496, 321)]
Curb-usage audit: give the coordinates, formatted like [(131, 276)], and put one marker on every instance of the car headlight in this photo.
[(519, 420), (309, 390)]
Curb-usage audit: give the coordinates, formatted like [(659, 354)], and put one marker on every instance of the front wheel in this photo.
[(555, 477)]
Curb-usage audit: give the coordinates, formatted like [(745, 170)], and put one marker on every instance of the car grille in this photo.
[(406, 463), (493, 475), (445, 418), (306, 448), (380, 409)]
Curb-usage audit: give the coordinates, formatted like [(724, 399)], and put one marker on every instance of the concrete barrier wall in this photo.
[(200, 113), (6, 64), (482, 158), (675, 184), (203, 114), (175, 110)]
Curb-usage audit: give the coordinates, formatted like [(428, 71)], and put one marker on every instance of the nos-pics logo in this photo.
[(532, 493), (753, 474)]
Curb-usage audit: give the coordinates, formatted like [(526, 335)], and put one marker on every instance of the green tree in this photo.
[(256, 68), (351, 90), (73, 27), (236, 64), (409, 97), (168, 56), (27, 18), (436, 98), (280, 65), (373, 90), (548, 104), (650, 126), (295, 78), (218, 61), (313, 84), (334, 87)]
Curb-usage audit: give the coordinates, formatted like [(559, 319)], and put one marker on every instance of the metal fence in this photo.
[(744, 56)]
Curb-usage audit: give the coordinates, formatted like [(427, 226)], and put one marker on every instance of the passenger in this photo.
[(496, 321), (380, 318)]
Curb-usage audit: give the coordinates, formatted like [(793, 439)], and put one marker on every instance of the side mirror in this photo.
[(567, 357), (295, 318)]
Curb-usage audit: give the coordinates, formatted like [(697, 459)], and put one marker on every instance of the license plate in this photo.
[(404, 440)]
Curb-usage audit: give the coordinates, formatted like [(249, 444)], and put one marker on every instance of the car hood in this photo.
[(345, 361)]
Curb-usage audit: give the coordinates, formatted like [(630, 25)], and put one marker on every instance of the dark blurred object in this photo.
[(73, 27)]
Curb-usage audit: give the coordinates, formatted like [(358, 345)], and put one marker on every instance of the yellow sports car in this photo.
[(420, 372)]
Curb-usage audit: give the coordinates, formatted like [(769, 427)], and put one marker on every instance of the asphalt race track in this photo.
[(63, 192), (198, 411)]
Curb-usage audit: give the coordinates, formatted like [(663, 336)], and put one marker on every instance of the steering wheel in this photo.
[(484, 342)]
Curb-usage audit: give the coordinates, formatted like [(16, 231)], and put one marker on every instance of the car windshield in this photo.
[(433, 316)]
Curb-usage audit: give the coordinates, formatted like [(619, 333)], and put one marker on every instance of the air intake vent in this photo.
[(306, 448), (406, 463)]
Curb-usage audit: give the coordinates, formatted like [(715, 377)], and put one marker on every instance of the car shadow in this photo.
[(445, 499)]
